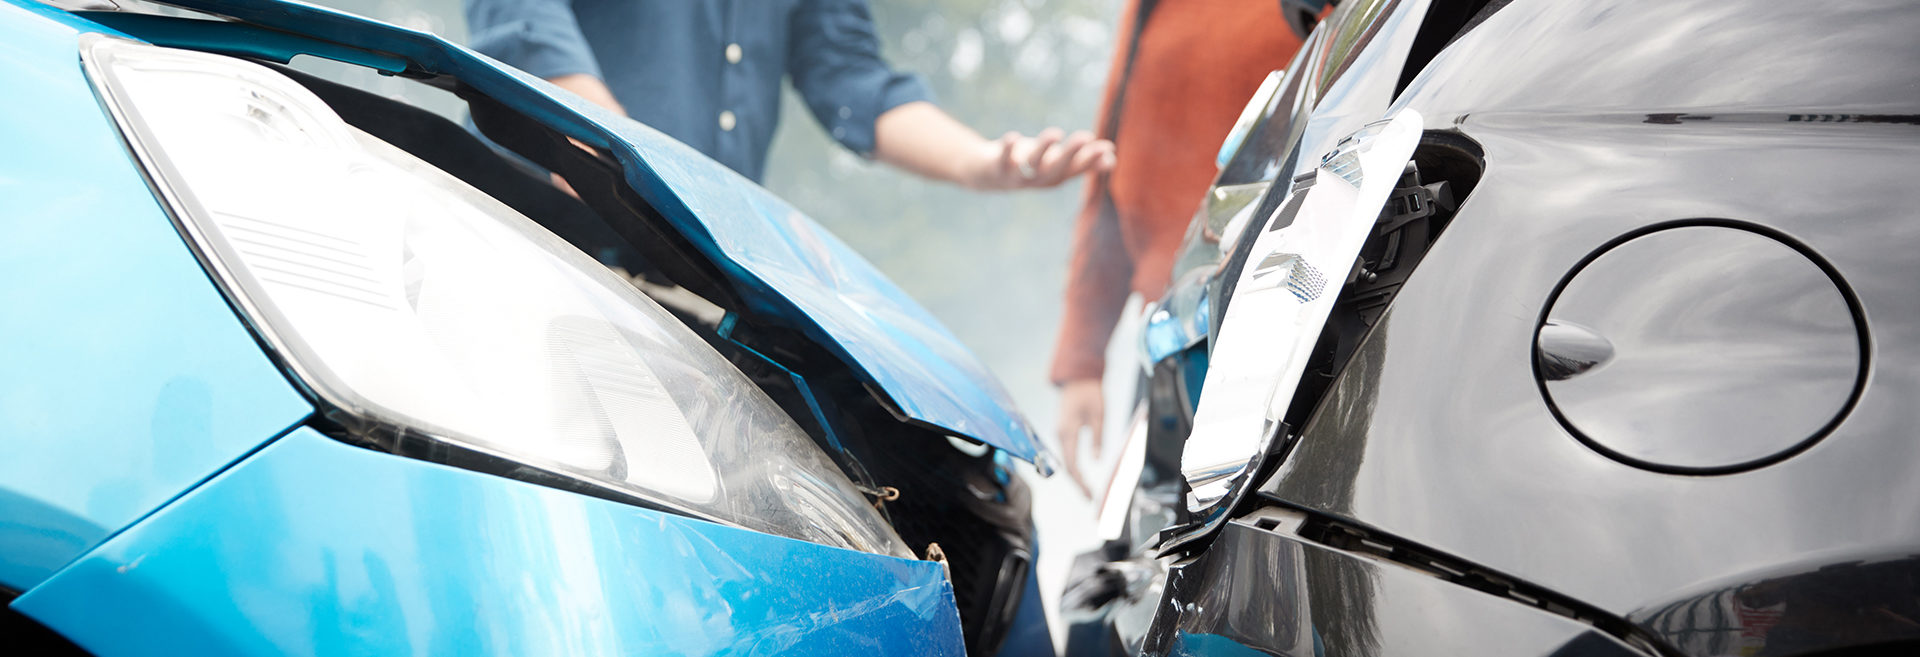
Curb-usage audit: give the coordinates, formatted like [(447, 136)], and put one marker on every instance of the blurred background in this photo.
[(991, 266)]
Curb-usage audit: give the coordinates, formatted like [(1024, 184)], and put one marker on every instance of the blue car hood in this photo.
[(788, 270)]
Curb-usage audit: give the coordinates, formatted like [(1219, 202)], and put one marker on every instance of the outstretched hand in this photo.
[(1016, 161), (921, 139)]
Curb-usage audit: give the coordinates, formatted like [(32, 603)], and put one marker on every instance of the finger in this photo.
[(1041, 143), (1007, 142), (1069, 450), (1083, 161), (1096, 157), (1055, 164), (1072, 459), (1094, 435), (1005, 171), (1069, 435), (1079, 480)]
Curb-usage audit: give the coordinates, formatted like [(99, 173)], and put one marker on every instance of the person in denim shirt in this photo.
[(708, 73)]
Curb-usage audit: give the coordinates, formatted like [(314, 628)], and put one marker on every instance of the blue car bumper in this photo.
[(315, 547)]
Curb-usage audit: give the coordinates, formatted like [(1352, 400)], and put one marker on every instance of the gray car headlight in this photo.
[(415, 307)]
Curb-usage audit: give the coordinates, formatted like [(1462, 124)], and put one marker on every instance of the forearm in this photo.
[(591, 89), (921, 139)]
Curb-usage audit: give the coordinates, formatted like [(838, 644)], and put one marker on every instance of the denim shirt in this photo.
[(708, 72)]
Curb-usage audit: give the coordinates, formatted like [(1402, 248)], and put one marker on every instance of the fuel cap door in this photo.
[(1701, 349)]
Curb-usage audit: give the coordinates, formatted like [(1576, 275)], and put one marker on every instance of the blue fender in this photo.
[(125, 378)]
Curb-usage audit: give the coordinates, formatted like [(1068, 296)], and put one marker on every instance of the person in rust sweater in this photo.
[(1181, 72)]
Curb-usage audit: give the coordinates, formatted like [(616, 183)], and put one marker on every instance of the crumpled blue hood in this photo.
[(789, 270)]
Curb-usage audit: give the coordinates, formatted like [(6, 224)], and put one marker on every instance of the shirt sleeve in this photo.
[(834, 60), (541, 37)]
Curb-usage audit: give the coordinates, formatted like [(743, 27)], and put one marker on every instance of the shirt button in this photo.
[(733, 53), (727, 120)]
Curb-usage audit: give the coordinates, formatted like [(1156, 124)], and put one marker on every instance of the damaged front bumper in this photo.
[(315, 547)]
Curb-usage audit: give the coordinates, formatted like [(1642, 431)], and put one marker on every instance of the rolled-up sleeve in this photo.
[(541, 37), (834, 61)]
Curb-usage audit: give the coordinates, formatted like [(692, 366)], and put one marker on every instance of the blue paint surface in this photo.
[(790, 270), (315, 547), (126, 378), (1210, 645)]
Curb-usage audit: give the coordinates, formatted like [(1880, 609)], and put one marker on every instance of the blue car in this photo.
[(291, 367)]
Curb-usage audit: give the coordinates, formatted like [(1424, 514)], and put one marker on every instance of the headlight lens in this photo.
[(416, 307)]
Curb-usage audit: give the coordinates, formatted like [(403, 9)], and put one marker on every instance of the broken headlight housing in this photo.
[(428, 318)]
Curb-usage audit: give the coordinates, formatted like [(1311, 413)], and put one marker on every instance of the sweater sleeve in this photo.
[(1099, 273), (1098, 278)]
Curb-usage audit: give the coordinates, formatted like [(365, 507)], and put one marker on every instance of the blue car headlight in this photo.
[(416, 308)]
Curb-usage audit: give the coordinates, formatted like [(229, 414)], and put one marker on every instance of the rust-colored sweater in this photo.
[(1198, 61)]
